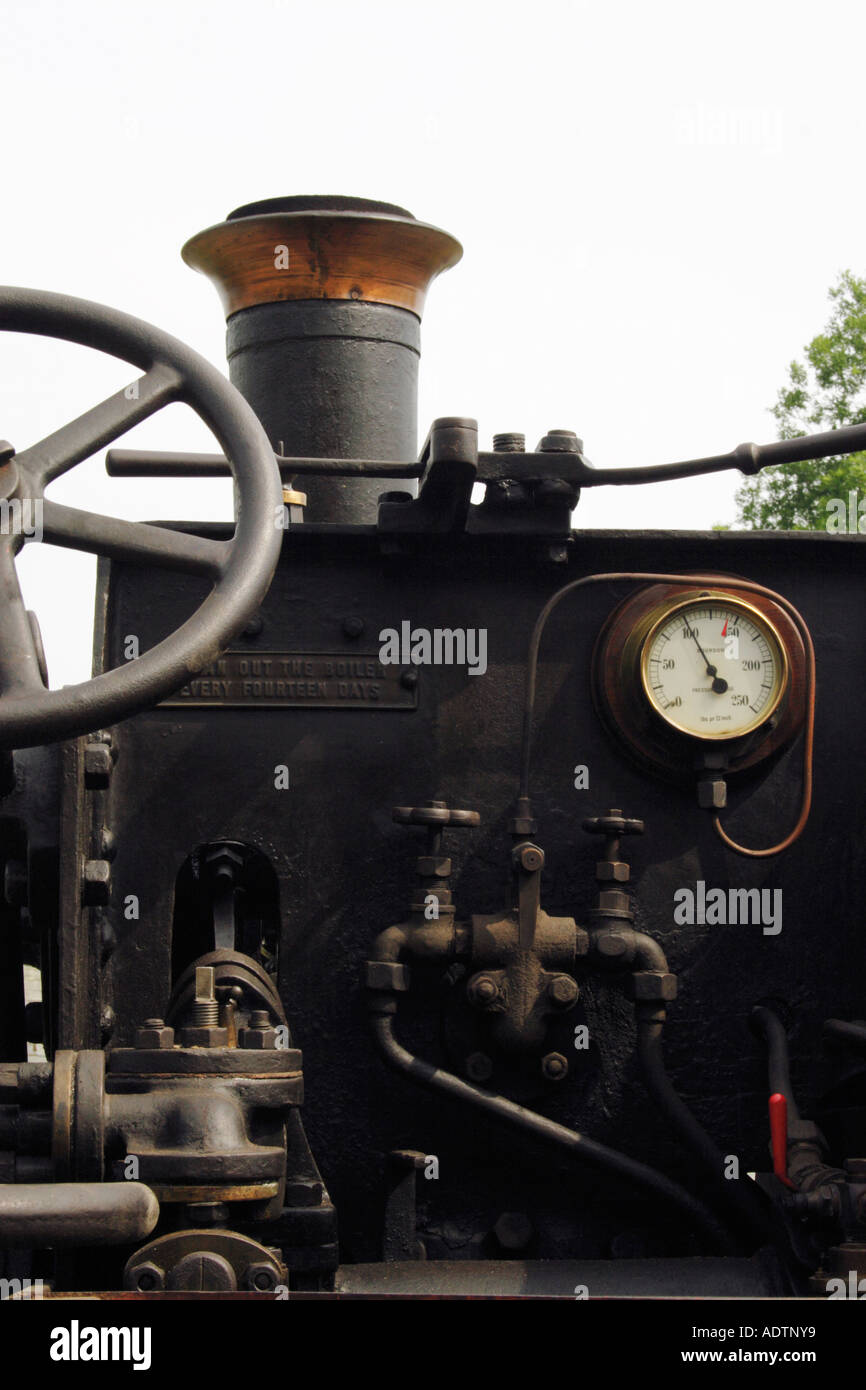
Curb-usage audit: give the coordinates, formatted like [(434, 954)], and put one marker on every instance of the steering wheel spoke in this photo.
[(62, 450), (240, 568), (19, 660), (136, 541)]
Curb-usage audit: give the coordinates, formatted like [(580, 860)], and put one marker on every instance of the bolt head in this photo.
[(96, 883), (530, 858), (479, 1066), (482, 990), (554, 1067), (98, 763), (563, 990), (148, 1277), (353, 626), (513, 1230), (260, 1278)]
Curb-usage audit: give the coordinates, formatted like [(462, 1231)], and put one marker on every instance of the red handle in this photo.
[(779, 1136)]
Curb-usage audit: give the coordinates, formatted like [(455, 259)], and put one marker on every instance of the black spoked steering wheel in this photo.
[(240, 568)]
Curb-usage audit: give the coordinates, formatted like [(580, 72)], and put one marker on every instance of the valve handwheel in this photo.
[(436, 814), (240, 568)]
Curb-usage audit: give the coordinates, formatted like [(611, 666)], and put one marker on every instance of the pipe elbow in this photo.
[(390, 944), (648, 954)]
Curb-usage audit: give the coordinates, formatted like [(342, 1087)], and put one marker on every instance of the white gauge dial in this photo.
[(713, 667)]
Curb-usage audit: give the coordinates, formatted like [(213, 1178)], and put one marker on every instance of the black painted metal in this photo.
[(331, 379), (345, 871)]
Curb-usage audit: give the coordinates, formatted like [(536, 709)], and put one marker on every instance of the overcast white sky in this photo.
[(653, 202)]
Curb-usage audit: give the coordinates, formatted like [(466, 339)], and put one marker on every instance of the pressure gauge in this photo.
[(679, 672), (713, 667)]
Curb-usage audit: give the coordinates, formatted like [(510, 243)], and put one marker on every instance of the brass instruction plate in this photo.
[(298, 680)]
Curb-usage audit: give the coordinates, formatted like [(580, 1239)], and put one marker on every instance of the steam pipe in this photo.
[(52, 1215), (741, 1197), (569, 1141), (742, 1201), (807, 1147)]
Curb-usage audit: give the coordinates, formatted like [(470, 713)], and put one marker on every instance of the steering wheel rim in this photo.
[(241, 568)]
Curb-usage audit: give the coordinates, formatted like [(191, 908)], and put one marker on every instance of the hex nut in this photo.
[(154, 1033), (654, 986), (563, 991), (207, 1213), (203, 1035), (388, 975), (607, 869), (96, 882), (98, 764), (523, 825), (712, 793), (257, 1037)]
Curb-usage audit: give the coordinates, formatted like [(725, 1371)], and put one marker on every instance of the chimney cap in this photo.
[(316, 202), (321, 248)]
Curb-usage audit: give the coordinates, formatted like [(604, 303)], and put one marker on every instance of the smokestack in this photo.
[(323, 300)]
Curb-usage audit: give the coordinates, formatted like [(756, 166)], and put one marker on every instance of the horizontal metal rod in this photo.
[(36, 1216), (574, 468), (144, 463), (699, 1276)]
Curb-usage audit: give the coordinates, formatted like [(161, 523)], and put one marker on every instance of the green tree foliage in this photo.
[(825, 392)]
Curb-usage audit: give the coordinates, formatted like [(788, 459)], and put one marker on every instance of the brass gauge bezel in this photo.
[(767, 629), (653, 740)]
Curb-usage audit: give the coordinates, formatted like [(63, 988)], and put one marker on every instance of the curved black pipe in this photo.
[(807, 1147), (570, 1141), (768, 1025), (740, 1195), (853, 1035)]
